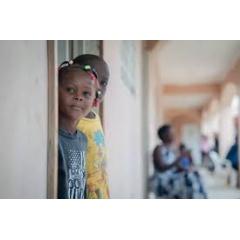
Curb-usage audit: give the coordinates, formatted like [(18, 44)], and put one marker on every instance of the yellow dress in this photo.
[(97, 177)]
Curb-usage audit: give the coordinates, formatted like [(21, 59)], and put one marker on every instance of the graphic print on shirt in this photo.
[(77, 174)]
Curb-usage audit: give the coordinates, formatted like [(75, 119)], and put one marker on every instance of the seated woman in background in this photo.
[(171, 179)]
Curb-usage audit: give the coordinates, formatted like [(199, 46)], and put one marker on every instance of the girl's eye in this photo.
[(70, 90), (104, 84), (85, 93)]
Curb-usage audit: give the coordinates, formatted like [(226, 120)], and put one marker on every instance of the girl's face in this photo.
[(76, 95), (103, 76)]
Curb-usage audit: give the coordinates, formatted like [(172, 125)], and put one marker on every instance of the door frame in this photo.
[(52, 141)]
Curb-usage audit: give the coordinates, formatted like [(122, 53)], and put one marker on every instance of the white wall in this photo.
[(123, 128), (23, 121)]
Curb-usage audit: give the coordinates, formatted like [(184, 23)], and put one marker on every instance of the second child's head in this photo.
[(100, 66), (77, 90), (182, 147)]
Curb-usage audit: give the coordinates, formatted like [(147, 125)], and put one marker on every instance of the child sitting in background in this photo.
[(186, 161)]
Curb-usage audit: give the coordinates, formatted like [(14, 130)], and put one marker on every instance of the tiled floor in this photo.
[(217, 187), (224, 193)]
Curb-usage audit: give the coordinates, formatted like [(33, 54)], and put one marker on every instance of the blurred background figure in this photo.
[(187, 160), (173, 177), (232, 154), (205, 150), (216, 143)]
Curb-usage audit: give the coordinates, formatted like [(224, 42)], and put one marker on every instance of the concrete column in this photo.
[(238, 94)]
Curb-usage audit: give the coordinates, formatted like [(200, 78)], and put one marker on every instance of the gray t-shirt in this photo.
[(72, 165)]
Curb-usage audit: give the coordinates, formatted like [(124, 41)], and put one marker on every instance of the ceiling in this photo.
[(183, 63), (188, 101)]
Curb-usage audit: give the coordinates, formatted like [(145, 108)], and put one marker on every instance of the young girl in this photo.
[(97, 177), (77, 91)]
